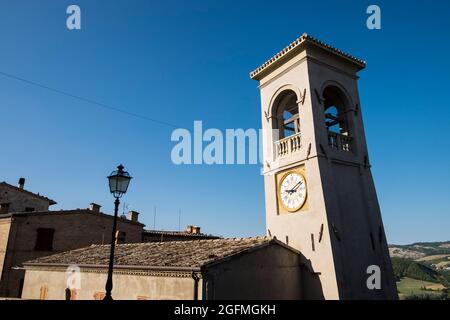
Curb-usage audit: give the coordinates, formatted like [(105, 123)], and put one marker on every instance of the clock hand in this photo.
[(294, 189), (296, 186), (291, 191)]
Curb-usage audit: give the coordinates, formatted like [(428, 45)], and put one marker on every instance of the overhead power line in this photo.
[(87, 100)]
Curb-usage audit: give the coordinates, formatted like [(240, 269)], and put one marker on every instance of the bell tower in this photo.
[(319, 192)]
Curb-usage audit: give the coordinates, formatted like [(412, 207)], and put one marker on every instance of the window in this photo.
[(44, 239), (286, 115), (120, 237), (336, 110), (285, 121), (4, 207), (68, 293), (29, 209), (99, 295), (332, 120), (43, 292), (73, 294)]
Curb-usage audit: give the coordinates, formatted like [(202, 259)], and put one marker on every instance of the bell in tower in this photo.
[(319, 192)]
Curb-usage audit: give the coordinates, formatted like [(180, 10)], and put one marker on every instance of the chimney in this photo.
[(133, 216), (95, 207), (21, 183)]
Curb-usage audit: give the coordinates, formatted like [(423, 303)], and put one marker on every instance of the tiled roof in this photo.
[(303, 39), (51, 202), (178, 234), (187, 254)]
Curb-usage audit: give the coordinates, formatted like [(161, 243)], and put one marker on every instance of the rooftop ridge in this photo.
[(264, 238), (300, 40), (51, 202), (178, 233), (62, 212)]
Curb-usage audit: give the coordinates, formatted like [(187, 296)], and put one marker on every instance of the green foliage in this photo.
[(399, 265), (445, 278), (412, 269), (418, 271)]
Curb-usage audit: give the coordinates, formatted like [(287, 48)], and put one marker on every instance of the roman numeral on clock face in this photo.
[(292, 191)]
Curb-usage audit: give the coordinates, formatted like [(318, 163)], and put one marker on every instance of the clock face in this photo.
[(292, 191)]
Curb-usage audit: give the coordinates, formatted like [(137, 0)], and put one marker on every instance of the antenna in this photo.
[(125, 207), (179, 220)]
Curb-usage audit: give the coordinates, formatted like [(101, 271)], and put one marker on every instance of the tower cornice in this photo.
[(297, 46)]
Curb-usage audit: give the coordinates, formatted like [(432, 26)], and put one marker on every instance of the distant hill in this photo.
[(419, 249), (417, 266)]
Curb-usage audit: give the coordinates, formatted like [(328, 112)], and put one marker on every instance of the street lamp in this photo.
[(118, 185)]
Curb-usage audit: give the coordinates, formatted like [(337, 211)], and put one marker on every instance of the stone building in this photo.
[(252, 268), (28, 230), (17, 199), (28, 235)]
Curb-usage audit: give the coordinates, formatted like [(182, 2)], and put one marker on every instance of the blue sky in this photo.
[(180, 61)]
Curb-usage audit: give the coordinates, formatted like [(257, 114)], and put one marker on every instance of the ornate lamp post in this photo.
[(118, 185)]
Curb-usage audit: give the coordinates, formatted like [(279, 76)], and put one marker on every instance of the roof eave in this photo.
[(124, 267), (297, 46)]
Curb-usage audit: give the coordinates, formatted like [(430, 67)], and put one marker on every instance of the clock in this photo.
[(292, 191)]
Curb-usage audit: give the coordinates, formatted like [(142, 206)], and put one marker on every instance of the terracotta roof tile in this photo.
[(179, 234), (304, 38), (189, 254)]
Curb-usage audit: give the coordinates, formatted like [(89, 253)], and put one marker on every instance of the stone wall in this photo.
[(272, 272), (126, 285), (5, 225), (19, 200)]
